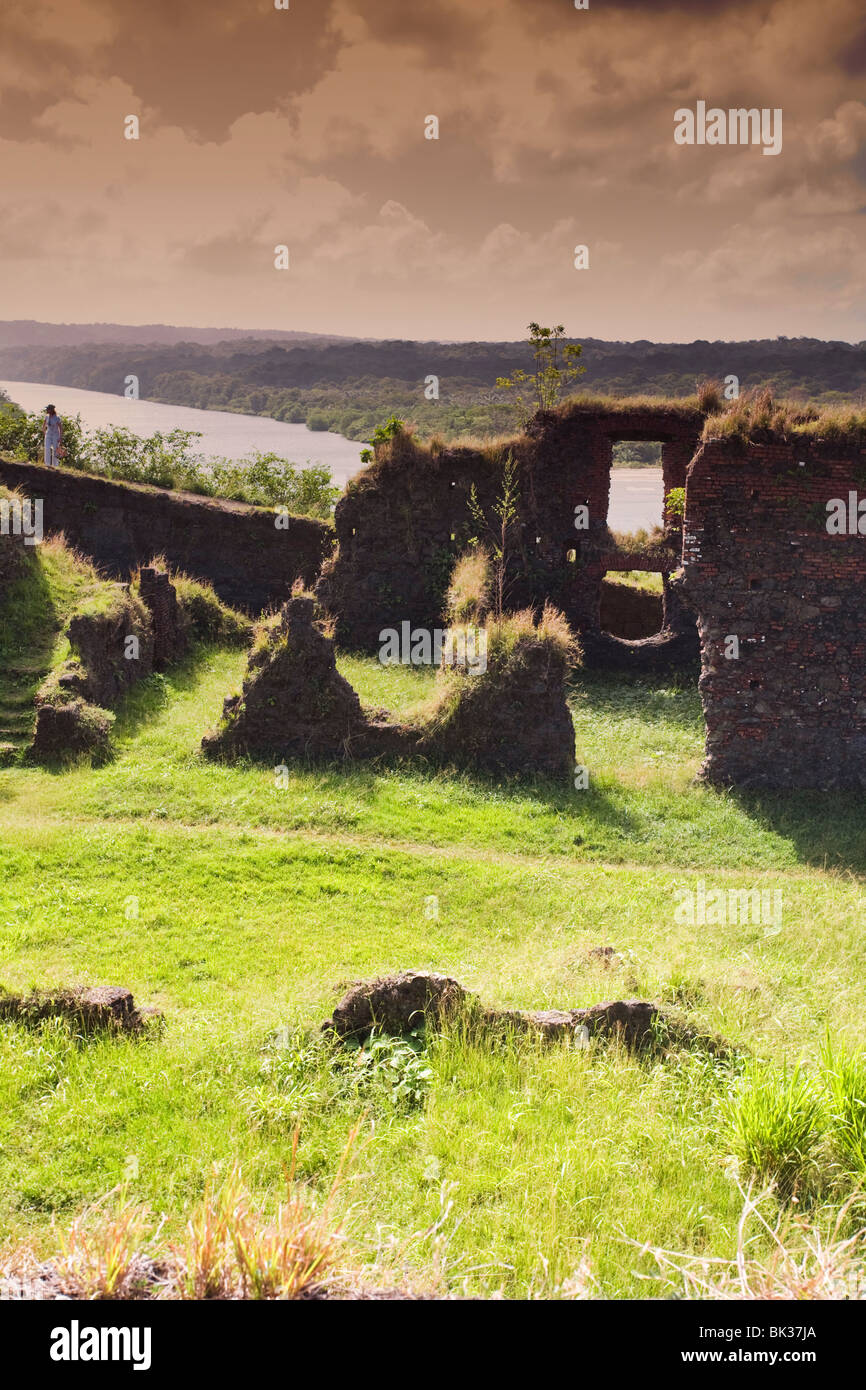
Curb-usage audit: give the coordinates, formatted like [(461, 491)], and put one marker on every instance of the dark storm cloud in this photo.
[(444, 32), (852, 55)]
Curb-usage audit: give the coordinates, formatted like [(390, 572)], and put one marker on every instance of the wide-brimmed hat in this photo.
[(49, 407)]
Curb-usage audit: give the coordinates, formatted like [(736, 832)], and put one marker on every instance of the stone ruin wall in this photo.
[(236, 548), (760, 565), (402, 523)]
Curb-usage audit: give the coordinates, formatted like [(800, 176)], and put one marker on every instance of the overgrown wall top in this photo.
[(237, 548)]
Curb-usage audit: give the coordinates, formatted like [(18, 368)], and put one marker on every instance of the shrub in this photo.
[(395, 1066), (168, 461), (675, 502), (775, 1123), (468, 596), (556, 369)]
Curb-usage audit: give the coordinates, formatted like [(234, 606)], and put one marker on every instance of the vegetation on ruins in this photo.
[(241, 1152), (757, 414), (556, 368), (497, 536), (469, 590), (675, 502), (52, 598)]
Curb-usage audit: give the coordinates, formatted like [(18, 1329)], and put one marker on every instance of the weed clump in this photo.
[(468, 599), (757, 416), (774, 1121)]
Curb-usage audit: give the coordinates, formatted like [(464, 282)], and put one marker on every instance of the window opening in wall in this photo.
[(637, 494), (632, 604)]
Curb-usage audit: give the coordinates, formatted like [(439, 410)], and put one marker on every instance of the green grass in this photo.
[(34, 611), (239, 908), (647, 580)]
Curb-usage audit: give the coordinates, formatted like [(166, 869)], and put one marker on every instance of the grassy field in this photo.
[(240, 909)]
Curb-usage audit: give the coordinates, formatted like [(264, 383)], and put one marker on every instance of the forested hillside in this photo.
[(351, 386)]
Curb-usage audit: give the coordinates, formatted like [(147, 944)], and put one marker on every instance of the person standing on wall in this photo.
[(52, 433)]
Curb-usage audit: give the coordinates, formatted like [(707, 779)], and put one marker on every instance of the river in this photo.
[(635, 493), (222, 433)]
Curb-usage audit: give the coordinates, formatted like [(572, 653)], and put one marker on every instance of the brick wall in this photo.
[(403, 522), (120, 526), (760, 566)]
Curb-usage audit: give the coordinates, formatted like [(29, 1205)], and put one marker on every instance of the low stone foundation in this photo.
[(398, 1004), (90, 1008)]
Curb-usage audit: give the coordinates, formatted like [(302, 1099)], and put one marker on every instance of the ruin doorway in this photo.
[(632, 604)]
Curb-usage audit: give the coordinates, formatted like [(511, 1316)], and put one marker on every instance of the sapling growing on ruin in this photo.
[(555, 369), (498, 537)]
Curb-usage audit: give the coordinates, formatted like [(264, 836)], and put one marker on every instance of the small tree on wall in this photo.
[(555, 370), (498, 535)]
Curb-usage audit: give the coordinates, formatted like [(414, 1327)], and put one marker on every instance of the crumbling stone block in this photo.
[(417, 998), (64, 730), (90, 1008), (100, 641), (170, 631), (294, 702)]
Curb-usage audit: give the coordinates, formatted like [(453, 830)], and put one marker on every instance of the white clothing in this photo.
[(52, 440)]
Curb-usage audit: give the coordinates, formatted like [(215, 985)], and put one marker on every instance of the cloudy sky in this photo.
[(306, 127)]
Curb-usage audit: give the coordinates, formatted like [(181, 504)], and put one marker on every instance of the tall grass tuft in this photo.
[(775, 1122), (844, 1076), (233, 1249), (98, 1253), (469, 593), (710, 398)]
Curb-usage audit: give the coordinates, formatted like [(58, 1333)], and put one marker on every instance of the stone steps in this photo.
[(10, 748), (16, 723), (17, 699)]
